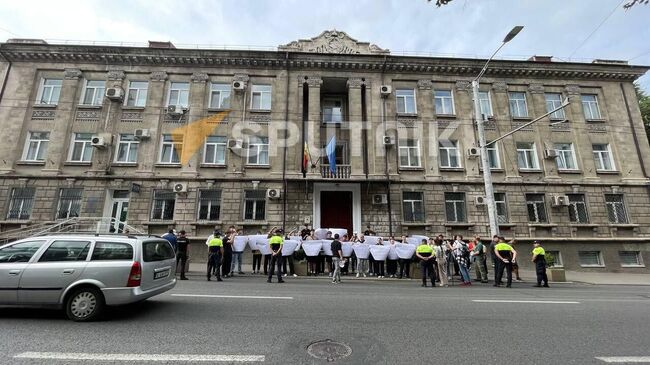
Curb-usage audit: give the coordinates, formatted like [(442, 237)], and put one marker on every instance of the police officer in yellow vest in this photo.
[(427, 259), (539, 258), (215, 253), (505, 255), (275, 243)]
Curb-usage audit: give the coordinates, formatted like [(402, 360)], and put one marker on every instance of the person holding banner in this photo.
[(275, 243), (427, 259), (361, 251), (391, 261), (288, 248), (337, 259), (378, 258), (227, 252), (440, 251), (404, 260), (238, 245), (215, 252)]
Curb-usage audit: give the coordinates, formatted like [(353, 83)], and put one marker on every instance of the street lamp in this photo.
[(487, 174)]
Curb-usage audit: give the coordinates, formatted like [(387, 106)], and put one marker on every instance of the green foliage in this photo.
[(644, 105), (550, 259)]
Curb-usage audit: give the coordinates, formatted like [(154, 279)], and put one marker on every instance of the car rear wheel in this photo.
[(85, 304)]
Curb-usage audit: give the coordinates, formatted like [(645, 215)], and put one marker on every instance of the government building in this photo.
[(330, 132)]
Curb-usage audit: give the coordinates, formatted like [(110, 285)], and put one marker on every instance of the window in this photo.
[(518, 107), (557, 258), (449, 156), (340, 154), (258, 150), (219, 96), (21, 203), (485, 103), (36, 146), (179, 93), (49, 92), (409, 153), (590, 107), (69, 205), (502, 207), (254, 205), (413, 206), (630, 258), (81, 150), (157, 251), (333, 110), (209, 205), (616, 208), (444, 100), (171, 148), (261, 97), (493, 156), (554, 101), (137, 94), (105, 251), (20, 252), (93, 93), (578, 209), (590, 258), (163, 205), (127, 149), (215, 150), (603, 157), (566, 156), (536, 208), (405, 99), (455, 207), (527, 156), (66, 251)]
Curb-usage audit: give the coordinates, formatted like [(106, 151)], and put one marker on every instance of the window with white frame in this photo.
[(258, 151), (209, 204), (590, 106), (449, 154), (93, 93), (254, 205), (261, 97), (518, 106), (409, 153), (332, 110), (163, 205), (127, 149), (444, 100), (21, 203), (413, 206), (493, 156), (485, 103), (603, 157), (557, 258), (578, 209), (616, 212), (536, 208), (81, 149), (49, 91), (554, 101), (36, 146), (219, 96), (566, 156), (215, 150), (171, 148), (455, 207), (502, 207), (630, 258), (69, 205), (179, 94), (590, 258), (136, 96), (527, 156), (405, 99)]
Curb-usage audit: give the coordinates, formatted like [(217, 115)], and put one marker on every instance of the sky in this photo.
[(560, 28)]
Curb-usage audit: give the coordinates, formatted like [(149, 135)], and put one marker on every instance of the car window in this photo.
[(66, 251), (112, 251), (157, 251), (20, 252)]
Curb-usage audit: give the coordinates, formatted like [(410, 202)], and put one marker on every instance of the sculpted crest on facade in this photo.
[(333, 41)]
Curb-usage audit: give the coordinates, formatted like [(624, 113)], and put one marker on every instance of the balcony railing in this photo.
[(342, 172)]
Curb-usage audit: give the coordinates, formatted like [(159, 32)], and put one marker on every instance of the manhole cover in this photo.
[(329, 350)]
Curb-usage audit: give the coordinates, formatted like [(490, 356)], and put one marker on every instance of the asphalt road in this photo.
[(382, 322)]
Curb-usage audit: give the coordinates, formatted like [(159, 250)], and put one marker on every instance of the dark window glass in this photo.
[(112, 251)]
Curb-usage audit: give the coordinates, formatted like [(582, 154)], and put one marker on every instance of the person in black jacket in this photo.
[(182, 244)]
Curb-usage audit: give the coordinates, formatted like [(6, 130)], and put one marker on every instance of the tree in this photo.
[(644, 105)]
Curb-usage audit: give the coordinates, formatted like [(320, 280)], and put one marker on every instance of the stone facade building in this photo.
[(198, 138)]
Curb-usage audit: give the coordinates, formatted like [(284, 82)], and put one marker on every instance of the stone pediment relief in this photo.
[(333, 41)]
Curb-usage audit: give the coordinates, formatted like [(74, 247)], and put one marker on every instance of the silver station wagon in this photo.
[(84, 273)]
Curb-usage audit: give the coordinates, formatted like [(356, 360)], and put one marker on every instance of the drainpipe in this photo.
[(284, 151), (364, 130), (634, 136), (383, 119)]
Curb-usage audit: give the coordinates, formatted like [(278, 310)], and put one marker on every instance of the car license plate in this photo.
[(160, 274)]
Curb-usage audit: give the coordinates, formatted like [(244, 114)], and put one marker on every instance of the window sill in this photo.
[(86, 106), (415, 224), (507, 225), (633, 266), (458, 224), (455, 169), (219, 109), (596, 120), (213, 165), (623, 225), (493, 170), (259, 110), (252, 223), (31, 163), (125, 164), (535, 171), (158, 223), (584, 225), (45, 106), (451, 116), (521, 119), (407, 115), (408, 168), (16, 221), (542, 225), (608, 172), (133, 108), (77, 163), (167, 165), (258, 166), (207, 223), (569, 171), (596, 266)]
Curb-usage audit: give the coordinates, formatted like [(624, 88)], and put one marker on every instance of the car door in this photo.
[(45, 279), (158, 264), (14, 259)]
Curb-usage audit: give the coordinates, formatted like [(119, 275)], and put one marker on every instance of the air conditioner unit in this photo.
[(273, 193), (115, 93), (379, 199), (180, 188), (385, 90), (102, 140), (235, 144), (560, 201), (550, 154), (175, 110), (388, 141), (142, 134), (238, 85), (479, 200), (473, 152)]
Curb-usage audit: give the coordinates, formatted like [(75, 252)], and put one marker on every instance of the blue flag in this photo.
[(330, 150)]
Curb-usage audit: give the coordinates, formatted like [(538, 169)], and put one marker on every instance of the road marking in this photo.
[(139, 357), (633, 359), (229, 296), (524, 301)]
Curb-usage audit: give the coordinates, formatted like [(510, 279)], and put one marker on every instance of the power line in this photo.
[(598, 27)]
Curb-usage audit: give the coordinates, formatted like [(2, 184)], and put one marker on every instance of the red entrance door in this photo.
[(336, 210)]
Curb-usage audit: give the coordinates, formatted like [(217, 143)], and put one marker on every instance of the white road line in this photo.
[(524, 301), (628, 359), (139, 357), (229, 296)]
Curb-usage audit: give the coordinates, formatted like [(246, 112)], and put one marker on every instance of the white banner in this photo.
[(295, 238), (405, 250), (372, 240), (320, 233), (416, 239), (252, 240), (379, 252), (327, 247), (346, 247), (289, 247), (312, 247), (392, 254), (239, 245), (362, 250), (263, 246), (341, 232)]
